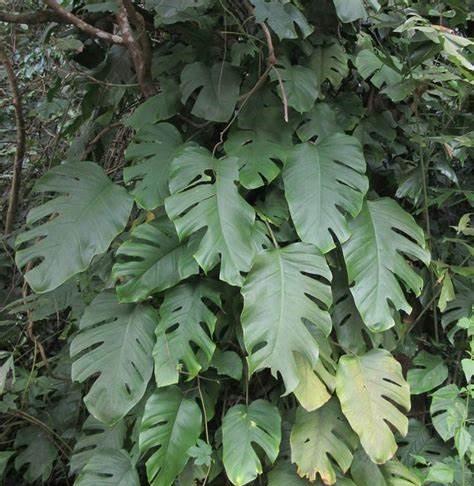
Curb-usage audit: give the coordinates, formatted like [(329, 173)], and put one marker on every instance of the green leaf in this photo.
[(278, 307), (321, 121), (4, 458), (441, 473), (255, 152), (80, 223), (314, 386), (198, 203), (370, 65), (202, 453), (329, 62), (153, 260), (173, 11), (171, 425), (242, 426), (397, 474), (320, 437), (468, 368), (114, 345), (186, 324), (448, 411), (300, 85), (420, 442), (428, 373), (368, 388), (350, 10), (284, 474), (36, 451), (323, 181), (109, 467), (218, 90), (381, 234), (227, 363), (153, 149), (95, 436), (156, 108), (282, 17)]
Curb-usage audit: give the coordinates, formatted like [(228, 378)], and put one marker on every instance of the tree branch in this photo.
[(140, 52), (81, 24), (32, 18), (20, 142)]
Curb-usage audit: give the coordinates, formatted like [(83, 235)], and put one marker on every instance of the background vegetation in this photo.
[(237, 242)]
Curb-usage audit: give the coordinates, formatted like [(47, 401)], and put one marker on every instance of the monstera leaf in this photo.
[(381, 234), (153, 260), (114, 345), (368, 388), (350, 10), (186, 322), (429, 371), (96, 436), (278, 306), (256, 152), (243, 426), (320, 437), (36, 451), (282, 18), (83, 219), (171, 424), (198, 202), (218, 90), (109, 467), (300, 85), (152, 150), (329, 62), (321, 181)]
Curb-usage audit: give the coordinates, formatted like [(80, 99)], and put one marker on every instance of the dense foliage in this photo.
[(242, 250)]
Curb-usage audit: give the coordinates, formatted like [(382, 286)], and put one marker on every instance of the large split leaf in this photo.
[(109, 467), (171, 424), (350, 10), (278, 307), (36, 451), (83, 219), (420, 442), (429, 371), (300, 86), (321, 181), (197, 203), (186, 323), (282, 17), (218, 89), (368, 388), (114, 345), (153, 260), (256, 152), (382, 234), (320, 437), (448, 411), (242, 427), (329, 62), (96, 436), (151, 152)]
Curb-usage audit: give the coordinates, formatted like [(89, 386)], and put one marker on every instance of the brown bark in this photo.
[(20, 142), (81, 24), (139, 47), (32, 18)]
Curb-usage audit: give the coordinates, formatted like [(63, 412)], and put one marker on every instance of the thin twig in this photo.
[(103, 132), (20, 142), (283, 94)]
